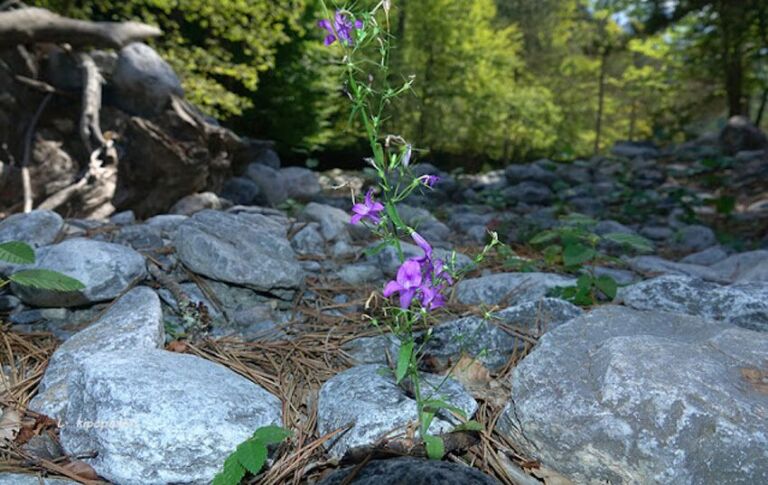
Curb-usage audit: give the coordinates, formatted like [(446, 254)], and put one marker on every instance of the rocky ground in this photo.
[(246, 308)]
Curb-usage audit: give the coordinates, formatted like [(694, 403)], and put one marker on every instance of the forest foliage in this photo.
[(494, 80)]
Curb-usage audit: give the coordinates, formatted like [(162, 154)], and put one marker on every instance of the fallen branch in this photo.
[(32, 25), (25, 179), (90, 129)]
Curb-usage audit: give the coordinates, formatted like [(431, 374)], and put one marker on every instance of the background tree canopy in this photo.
[(495, 80)]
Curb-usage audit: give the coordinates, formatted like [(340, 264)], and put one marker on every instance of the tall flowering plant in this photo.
[(421, 283)]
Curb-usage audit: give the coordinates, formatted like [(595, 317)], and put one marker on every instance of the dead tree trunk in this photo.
[(32, 25)]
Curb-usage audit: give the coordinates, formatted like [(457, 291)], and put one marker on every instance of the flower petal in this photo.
[(329, 39), (422, 243), (356, 218), (406, 296), (391, 288), (358, 24), (409, 274)]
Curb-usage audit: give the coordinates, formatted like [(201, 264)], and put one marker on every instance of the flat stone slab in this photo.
[(624, 396), (156, 417), (133, 322), (367, 396), (247, 250), (516, 287), (410, 471), (106, 270), (745, 305)]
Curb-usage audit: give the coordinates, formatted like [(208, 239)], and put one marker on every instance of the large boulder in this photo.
[(29, 479), (134, 322), (143, 82), (155, 417), (493, 341), (368, 396), (741, 135), (245, 249), (410, 471), (623, 396), (300, 183), (106, 270), (745, 305)]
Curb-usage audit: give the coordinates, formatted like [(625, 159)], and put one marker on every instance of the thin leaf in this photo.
[(269, 435), (633, 241), (46, 280), (544, 237), (252, 454), (437, 404), (403, 361), (17, 252), (435, 447)]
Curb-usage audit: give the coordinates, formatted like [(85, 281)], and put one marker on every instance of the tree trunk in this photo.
[(600, 100), (761, 109), (733, 59)]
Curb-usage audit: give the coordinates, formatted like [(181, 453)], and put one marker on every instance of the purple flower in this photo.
[(341, 27), (429, 180), (368, 209), (422, 277), (407, 282)]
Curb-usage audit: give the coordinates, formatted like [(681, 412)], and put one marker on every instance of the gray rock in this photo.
[(378, 406), (743, 267), (643, 397), (123, 218), (410, 471), (657, 233), (488, 341), (157, 417), (105, 269), (8, 303), (745, 304), (143, 81), (654, 265), (631, 149), (606, 227), (425, 223), (30, 479), (270, 183), (141, 237), (528, 192), (517, 287), (308, 240), (241, 191), (233, 249), (167, 223), (529, 173), (334, 222), (191, 204), (300, 183), (268, 157), (707, 257), (134, 322), (360, 273), (695, 238), (36, 228)]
